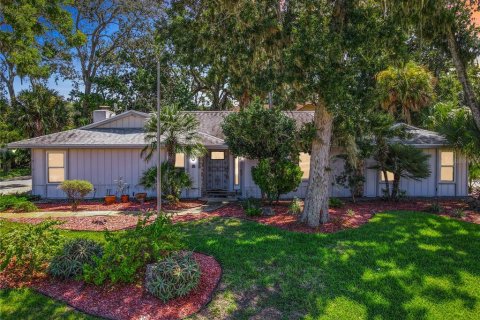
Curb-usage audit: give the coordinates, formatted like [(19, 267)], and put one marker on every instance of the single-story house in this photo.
[(110, 148)]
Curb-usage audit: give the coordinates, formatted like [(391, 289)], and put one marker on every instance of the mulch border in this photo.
[(204, 302)]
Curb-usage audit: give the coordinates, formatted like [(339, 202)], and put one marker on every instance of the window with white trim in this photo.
[(55, 166), (180, 160), (304, 163), (390, 176), (447, 166)]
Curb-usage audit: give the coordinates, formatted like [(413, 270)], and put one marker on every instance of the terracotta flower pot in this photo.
[(141, 196), (110, 200), (124, 198)]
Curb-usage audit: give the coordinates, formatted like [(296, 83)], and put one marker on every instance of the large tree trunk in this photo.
[(470, 98), (316, 201)]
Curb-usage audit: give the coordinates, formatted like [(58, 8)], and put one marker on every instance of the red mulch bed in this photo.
[(93, 223), (339, 219), (130, 206), (131, 301)]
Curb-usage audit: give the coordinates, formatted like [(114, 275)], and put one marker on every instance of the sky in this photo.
[(62, 86)]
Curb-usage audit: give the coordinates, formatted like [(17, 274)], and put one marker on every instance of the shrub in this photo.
[(125, 253), (435, 208), (16, 203), (174, 276), (75, 254), (76, 190), (350, 213), (337, 221), (295, 207), (335, 203), (458, 213), (173, 180), (252, 207), (276, 177), (30, 247)]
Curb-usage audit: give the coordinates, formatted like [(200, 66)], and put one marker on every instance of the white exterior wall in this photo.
[(131, 121), (101, 167), (429, 187)]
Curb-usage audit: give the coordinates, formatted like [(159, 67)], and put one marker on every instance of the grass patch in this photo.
[(26, 304), (401, 265)]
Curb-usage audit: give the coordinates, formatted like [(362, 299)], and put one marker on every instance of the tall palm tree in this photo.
[(406, 89), (179, 131), (40, 111)]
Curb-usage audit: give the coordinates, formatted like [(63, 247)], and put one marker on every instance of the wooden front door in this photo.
[(217, 170)]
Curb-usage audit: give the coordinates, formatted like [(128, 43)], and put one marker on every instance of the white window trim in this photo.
[(64, 166), (454, 166)]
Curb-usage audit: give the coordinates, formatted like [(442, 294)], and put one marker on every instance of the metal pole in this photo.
[(159, 160)]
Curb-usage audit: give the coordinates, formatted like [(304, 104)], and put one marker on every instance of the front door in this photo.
[(217, 170)]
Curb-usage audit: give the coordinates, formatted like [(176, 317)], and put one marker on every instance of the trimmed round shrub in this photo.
[(76, 190), (174, 276), (75, 254)]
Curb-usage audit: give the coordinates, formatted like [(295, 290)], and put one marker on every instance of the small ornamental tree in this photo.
[(271, 137), (276, 178), (404, 161), (174, 180), (76, 190)]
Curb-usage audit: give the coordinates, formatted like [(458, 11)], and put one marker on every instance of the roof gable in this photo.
[(129, 119)]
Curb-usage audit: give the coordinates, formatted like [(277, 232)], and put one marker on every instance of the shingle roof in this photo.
[(210, 131), (421, 137), (96, 137)]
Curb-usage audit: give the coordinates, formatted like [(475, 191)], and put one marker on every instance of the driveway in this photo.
[(17, 185)]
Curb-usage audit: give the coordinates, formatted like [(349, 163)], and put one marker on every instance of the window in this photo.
[(217, 155), (305, 165), (389, 176), (56, 167), (180, 160), (447, 166), (236, 176)]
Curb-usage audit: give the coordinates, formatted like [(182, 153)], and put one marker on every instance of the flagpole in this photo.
[(159, 158)]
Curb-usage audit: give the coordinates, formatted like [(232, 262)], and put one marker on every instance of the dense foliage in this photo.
[(405, 90), (276, 177), (174, 180), (76, 190), (125, 253), (252, 207), (259, 133), (179, 131), (16, 203), (404, 161), (75, 254), (173, 276), (30, 247)]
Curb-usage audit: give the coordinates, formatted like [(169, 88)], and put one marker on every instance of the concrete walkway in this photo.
[(17, 185), (208, 207)]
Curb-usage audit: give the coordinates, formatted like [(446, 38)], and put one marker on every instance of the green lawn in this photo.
[(402, 265)]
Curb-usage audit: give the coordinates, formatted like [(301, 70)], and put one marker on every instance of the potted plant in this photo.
[(109, 198), (122, 190)]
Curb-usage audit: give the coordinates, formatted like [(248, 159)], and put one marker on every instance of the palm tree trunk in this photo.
[(470, 98), (316, 201), (387, 183)]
